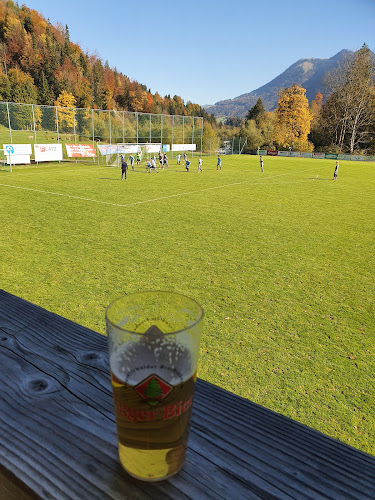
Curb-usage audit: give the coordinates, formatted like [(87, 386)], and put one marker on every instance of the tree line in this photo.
[(40, 65)]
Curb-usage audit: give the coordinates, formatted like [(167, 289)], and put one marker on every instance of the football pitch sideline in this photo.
[(281, 261)]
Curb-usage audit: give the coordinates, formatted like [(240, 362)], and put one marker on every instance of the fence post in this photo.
[(93, 132), (137, 128), (109, 122), (57, 125), (161, 129), (10, 128), (123, 126), (172, 133), (183, 130), (202, 137), (32, 107), (192, 139)]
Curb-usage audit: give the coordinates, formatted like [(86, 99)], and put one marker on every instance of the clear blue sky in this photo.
[(209, 50)]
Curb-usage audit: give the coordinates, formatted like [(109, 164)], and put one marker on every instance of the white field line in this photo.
[(152, 199)]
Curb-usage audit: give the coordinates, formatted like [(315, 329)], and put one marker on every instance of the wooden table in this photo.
[(58, 436)]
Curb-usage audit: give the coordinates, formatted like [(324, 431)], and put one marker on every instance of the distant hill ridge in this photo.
[(309, 73)]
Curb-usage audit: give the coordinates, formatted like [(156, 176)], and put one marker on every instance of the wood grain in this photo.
[(58, 436)]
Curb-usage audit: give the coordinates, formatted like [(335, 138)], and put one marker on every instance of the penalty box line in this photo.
[(145, 201)]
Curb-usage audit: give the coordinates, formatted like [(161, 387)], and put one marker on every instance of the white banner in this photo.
[(283, 153), (17, 149), (184, 147), (357, 158), (18, 159), (48, 152), (295, 153), (153, 148), (319, 155), (306, 155), (343, 157)]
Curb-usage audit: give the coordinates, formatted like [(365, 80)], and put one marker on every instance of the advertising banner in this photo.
[(306, 155), (262, 152), (153, 148), (295, 153), (357, 158), (184, 147), (80, 150), (283, 153), (331, 156), (166, 148), (321, 156), (272, 153), (112, 149), (343, 157), (48, 152), (370, 158), (17, 154)]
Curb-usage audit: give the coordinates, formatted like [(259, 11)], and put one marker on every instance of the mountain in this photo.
[(309, 73)]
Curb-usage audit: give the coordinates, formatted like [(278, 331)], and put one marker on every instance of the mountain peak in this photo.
[(307, 72)]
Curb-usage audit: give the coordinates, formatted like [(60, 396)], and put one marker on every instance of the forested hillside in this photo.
[(38, 61)]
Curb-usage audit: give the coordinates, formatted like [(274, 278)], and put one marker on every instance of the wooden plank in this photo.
[(58, 434)]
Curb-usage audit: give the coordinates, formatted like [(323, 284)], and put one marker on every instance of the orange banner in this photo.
[(80, 150)]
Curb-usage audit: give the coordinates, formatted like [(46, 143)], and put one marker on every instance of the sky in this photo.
[(209, 50)]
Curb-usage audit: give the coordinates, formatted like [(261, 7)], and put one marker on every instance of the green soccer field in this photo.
[(282, 262)]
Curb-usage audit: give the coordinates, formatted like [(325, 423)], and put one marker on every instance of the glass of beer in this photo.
[(153, 342)]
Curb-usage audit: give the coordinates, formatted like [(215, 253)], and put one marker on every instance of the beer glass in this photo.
[(153, 340)]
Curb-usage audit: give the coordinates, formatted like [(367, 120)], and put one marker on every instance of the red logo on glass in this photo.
[(153, 389)]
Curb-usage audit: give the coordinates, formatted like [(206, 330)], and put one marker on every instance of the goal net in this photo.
[(141, 152)]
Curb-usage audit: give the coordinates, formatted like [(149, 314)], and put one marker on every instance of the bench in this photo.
[(58, 435)]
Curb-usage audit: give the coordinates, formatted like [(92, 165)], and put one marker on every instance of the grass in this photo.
[(282, 263)]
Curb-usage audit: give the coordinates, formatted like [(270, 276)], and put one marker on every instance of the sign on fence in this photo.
[(80, 150), (166, 148), (17, 153), (184, 147), (152, 148), (272, 153), (262, 152), (357, 158), (283, 153), (331, 156), (306, 155), (343, 157), (321, 156), (48, 152)]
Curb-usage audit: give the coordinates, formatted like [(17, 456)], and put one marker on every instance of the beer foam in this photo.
[(132, 361)]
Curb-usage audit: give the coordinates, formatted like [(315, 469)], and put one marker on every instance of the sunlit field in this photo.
[(282, 262)]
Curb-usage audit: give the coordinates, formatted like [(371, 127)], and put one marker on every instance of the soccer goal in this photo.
[(139, 151)]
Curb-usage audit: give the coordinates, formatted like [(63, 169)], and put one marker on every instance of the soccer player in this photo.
[(124, 168), (336, 170), (138, 157), (200, 161), (261, 163), (165, 161), (218, 162), (187, 164), (178, 158), (131, 159)]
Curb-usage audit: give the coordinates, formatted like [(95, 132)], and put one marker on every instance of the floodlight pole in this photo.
[(137, 128), (183, 130), (150, 129), (93, 133)]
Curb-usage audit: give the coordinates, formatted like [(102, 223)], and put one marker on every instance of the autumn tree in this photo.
[(348, 115), (65, 112), (292, 118)]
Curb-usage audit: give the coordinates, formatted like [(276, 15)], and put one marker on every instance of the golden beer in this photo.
[(153, 376)]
